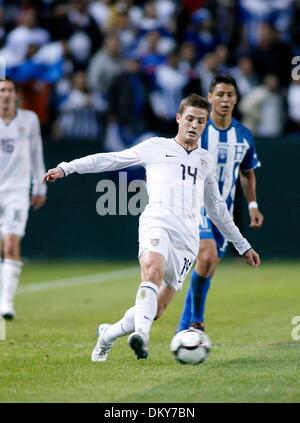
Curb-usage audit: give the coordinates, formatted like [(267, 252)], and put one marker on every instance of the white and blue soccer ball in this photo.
[(190, 346)]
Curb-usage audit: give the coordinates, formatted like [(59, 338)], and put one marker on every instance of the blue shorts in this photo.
[(207, 230)]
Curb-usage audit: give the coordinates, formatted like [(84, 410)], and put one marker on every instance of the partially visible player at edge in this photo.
[(21, 171), (232, 146), (180, 179)]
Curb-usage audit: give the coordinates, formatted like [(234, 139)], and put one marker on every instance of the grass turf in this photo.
[(46, 357)]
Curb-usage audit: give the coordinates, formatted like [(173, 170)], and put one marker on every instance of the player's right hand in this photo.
[(53, 174), (252, 258)]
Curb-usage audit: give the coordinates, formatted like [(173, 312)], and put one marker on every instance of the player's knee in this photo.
[(206, 263), (153, 273), (11, 250)]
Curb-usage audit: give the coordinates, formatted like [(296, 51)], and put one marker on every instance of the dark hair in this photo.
[(223, 79), (10, 80), (194, 100)]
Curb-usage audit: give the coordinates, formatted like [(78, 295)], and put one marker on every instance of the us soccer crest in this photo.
[(154, 242), (22, 131)]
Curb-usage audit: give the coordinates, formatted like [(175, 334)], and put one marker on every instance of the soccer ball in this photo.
[(190, 346)]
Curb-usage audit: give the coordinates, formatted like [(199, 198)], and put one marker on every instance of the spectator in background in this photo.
[(101, 11), (244, 75), (79, 50), (226, 14), (36, 75), (152, 50), (20, 38), (128, 102), (150, 20), (183, 18), (80, 113), (254, 12), (155, 42), (188, 58), (188, 66), (105, 64), (295, 29), (122, 25), (201, 32), (135, 10), (2, 27), (272, 55), (262, 109), (222, 56), (208, 69), (166, 10), (79, 20), (170, 84), (76, 24)]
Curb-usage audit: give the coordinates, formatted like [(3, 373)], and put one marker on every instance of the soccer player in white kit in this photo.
[(180, 180), (21, 171)]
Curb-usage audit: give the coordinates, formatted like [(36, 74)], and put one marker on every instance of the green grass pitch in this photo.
[(46, 356)]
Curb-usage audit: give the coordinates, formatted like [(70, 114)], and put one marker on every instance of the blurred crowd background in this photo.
[(112, 71)]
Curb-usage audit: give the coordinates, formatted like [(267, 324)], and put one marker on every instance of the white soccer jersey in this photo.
[(179, 183), (21, 154), (233, 149)]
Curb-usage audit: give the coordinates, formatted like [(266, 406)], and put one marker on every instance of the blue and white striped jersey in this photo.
[(233, 149)]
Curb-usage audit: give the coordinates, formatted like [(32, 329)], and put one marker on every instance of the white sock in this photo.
[(145, 307), (11, 270), (123, 327)]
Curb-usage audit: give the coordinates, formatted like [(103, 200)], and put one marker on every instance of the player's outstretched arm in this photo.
[(252, 258), (53, 174)]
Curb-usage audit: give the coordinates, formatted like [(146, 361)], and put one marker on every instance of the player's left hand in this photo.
[(252, 258), (38, 201), (256, 218), (53, 174)]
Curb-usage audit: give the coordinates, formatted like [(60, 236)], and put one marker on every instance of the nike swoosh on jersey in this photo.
[(169, 155)]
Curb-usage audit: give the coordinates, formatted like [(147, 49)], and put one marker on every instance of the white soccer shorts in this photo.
[(14, 206), (179, 259)]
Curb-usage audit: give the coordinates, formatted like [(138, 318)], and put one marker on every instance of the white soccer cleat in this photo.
[(138, 343), (7, 312), (194, 329), (102, 348)]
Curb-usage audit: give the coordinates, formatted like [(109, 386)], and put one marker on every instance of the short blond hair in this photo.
[(194, 100)]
